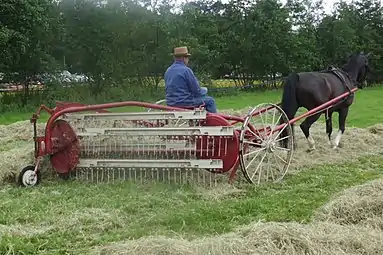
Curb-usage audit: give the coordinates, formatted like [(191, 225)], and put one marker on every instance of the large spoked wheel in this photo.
[(160, 102), (261, 154), (28, 177)]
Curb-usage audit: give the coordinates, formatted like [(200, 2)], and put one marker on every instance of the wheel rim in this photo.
[(261, 157), (30, 178)]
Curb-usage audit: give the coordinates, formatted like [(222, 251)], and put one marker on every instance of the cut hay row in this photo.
[(262, 238), (350, 224)]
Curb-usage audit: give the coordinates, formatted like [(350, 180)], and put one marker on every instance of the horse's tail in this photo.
[(289, 102), (289, 98)]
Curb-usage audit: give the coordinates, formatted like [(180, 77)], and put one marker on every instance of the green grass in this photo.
[(70, 217), (73, 217), (364, 112)]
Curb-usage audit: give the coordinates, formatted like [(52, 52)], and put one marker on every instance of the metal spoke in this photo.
[(260, 163), (281, 148), (276, 160), (284, 161), (252, 160), (283, 138), (255, 134), (251, 153), (271, 165), (252, 143), (263, 123), (280, 131)]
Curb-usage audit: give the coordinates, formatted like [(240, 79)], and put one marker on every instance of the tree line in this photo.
[(128, 42)]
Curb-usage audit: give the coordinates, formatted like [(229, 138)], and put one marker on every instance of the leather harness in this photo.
[(340, 74)]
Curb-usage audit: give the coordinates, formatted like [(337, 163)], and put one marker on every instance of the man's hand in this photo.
[(203, 91)]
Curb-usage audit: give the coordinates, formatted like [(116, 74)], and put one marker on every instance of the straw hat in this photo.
[(181, 52)]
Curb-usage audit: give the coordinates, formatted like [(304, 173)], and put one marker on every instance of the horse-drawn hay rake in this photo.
[(169, 144)]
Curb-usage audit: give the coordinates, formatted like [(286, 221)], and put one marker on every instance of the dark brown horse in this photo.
[(312, 89)]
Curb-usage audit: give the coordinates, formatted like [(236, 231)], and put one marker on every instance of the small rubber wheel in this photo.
[(28, 177)]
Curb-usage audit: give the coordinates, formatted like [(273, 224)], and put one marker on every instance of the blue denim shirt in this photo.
[(181, 86)]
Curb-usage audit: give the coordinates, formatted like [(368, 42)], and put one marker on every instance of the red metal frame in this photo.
[(43, 144), (64, 108), (71, 107)]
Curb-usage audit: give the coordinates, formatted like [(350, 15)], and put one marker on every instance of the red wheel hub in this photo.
[(225, 148), (65, 147)]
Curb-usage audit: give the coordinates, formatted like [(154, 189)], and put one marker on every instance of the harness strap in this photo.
[(338, 73)]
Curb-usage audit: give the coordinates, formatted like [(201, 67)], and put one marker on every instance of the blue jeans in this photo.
[(209, 104)]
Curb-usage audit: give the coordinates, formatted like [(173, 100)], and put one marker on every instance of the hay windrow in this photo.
[(261, 238), (14, 160), (17, 149), (333, 231), (360, 205), (17, 132), (350, 224), (355, 142)]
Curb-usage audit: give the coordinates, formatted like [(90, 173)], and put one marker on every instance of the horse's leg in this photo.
[(329, 125), (342, 126), (305, 127)]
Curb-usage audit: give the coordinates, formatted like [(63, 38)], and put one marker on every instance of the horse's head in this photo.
[(358, 67)]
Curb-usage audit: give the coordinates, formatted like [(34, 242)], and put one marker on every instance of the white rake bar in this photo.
[(181, 145), (211, 131), (187, 115), (164, 163)]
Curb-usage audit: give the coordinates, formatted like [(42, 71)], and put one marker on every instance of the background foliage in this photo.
[(124, 46)]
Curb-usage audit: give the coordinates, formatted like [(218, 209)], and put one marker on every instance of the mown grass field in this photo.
[(70, 218)]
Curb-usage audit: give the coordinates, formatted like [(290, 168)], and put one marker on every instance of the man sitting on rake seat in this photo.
[(181, 85)]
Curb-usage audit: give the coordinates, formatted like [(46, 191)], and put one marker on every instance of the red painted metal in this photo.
[(65, 147), (97, 107), (60, 141), (215, 146)]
